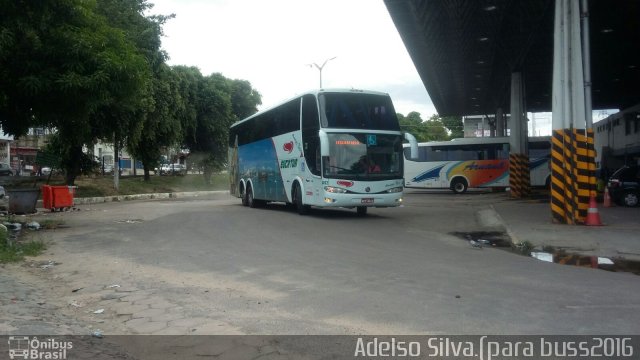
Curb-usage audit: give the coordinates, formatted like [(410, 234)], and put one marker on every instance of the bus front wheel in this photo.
[(244, 196), (362, 210), (297, 198), (459, 186)]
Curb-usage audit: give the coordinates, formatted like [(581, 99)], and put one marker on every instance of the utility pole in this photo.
[(319, 67)]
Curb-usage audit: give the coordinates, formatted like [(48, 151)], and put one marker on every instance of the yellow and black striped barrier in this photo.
[(572, 174), (519, 180)]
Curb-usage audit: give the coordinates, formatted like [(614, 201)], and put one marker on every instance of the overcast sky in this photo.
[(270, 44)]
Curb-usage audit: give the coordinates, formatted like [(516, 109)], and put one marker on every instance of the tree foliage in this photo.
[(455, 126), (430, 130), (95, 70), (63, 66)]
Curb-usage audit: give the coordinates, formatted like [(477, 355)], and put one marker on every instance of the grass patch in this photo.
[(98, 186), (51, 224), (12, 251)]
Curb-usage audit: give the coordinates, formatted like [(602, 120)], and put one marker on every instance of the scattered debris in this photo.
[(97, 333), (113, 286), (13, 226), (76, 290), (34, 225), (99, 311), (75, 304), (48, 265), (129, 221), (475, 244)]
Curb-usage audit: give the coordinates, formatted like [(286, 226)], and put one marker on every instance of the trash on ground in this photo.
[(97, 333), (34, 225), (113, 286), (99, 311), (13, 226), (75, 304), (76, 290), (48, 265), (475, 244)]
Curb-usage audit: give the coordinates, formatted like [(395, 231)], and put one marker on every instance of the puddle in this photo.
[(486, 238), (501, 240), (595, 262)]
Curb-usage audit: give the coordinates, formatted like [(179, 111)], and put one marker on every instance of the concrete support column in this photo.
[(519, 181), (500, 125), (572, 149)]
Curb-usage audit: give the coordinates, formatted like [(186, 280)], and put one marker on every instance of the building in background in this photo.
[(617, 140)]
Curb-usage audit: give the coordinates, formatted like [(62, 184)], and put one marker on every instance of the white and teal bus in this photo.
[(326, 148), (465, 163)]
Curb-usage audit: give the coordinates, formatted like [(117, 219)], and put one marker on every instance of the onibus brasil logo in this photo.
[(23, 347)]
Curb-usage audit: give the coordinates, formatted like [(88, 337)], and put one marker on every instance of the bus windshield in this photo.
[(357, 111), (363, 156)]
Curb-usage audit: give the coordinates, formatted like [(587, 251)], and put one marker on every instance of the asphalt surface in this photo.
[(210, 266)]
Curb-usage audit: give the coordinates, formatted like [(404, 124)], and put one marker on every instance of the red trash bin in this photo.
[(46, 196), (57, 197)]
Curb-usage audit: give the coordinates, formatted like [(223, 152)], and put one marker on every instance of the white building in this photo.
[(617, 139)]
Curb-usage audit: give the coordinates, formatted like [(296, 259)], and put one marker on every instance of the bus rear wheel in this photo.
[(459, 186), (251, 202), (297, 198)]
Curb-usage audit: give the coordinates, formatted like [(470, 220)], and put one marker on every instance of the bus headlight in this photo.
[(334, 190), (395, 190)]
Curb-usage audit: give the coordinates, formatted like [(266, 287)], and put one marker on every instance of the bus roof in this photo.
[(315, 92), (478, 140)]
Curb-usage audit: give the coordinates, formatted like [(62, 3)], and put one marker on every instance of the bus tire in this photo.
[(251, 202), (297, 198), (459, 185), (362, 210), (243, 196)]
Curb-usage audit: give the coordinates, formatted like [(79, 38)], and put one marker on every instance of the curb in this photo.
[(151, 196), (510, 233)]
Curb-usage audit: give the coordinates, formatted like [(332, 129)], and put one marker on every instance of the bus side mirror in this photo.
[(413, 143), (324, 143)]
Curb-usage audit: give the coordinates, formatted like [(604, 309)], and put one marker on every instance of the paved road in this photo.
[(211, 266)]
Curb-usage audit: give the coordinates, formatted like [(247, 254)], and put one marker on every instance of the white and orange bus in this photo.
[(466, 163)]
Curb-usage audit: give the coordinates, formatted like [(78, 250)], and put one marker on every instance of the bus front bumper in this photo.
[(368, 200)]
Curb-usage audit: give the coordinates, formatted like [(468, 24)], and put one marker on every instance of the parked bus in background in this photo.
[(465, 163), (326, 148)]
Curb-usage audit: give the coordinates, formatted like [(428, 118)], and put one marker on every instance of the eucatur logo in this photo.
[(23, 347), (288, 147)]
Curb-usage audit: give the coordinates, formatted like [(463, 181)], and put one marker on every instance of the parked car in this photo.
[(624, 185), (173, 169), (6, 170)]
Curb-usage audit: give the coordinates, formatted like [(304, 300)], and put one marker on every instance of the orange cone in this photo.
[(607, 198), (593, 217)]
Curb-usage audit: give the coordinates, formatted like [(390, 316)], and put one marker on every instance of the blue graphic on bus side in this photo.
[(429, 174), (259, 162)]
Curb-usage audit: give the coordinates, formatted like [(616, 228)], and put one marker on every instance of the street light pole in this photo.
[(319, 67)]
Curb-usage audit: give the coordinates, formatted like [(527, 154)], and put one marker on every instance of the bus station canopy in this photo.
[(466, 50)]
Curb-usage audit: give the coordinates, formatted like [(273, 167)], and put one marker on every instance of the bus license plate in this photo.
[(367, 201)]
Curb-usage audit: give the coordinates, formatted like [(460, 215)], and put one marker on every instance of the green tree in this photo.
[(431, 130), (62, 65), (162, 126), (455, 126), (244, 99), (435, 129)]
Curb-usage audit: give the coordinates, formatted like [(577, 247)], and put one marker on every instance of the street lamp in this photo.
[(319, 67)]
